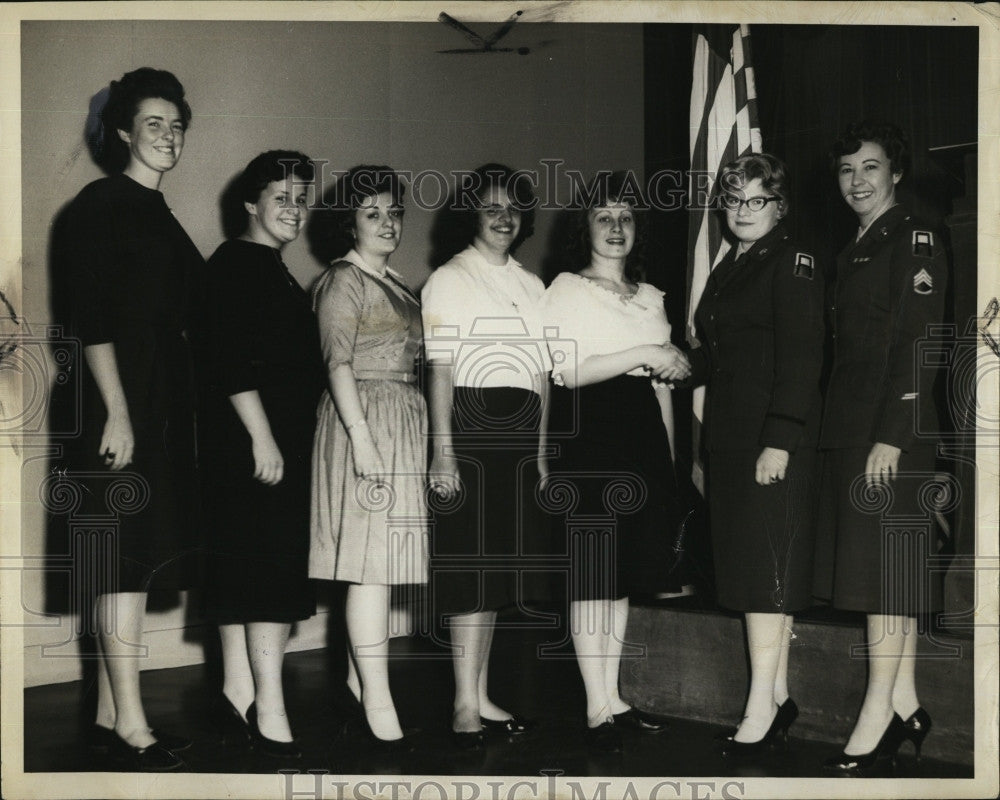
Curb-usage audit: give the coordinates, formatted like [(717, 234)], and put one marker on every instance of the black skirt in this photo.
[(485, 540), (875, 546), (613, 490), (763, 537)]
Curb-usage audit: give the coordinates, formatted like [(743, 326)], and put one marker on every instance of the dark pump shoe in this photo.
[(605, 738), (790, 710), (269, 747), (783, 719), (886, 748), (102, 739), (916, 727), (637, 720), (229, 722), (153, 758), (514, 726), (468, 740)]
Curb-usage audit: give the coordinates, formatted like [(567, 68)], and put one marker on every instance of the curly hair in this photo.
[(265, 169), (470, 196), (608, 188), (331, 227), (124, 97), (890, 136), (770, 170)]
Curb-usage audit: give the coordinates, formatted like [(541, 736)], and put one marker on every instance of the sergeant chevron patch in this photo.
[(923, 283)]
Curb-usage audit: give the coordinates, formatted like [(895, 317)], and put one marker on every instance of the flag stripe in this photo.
[(723, 126)]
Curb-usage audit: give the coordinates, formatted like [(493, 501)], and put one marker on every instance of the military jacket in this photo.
[(760, 324), (890, 289)]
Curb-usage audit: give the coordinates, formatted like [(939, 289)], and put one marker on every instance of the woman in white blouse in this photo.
[(487, 366), (610, 416)]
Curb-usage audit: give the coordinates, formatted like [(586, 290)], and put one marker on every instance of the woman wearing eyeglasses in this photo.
[(760, 324)]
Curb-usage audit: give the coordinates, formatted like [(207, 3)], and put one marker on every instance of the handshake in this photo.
[(666, 363)]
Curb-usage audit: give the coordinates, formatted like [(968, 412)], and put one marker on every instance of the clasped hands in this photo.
[(667, 363)]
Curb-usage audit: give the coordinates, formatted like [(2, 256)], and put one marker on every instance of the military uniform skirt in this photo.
[(875, 544), (763, 537)]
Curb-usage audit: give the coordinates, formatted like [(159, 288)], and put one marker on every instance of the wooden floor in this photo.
[(548, 690)]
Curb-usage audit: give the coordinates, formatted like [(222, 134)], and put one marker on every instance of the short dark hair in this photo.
[(331, 228), (770, 170), (265, 169), (478, 184), (608, 188), (890, 136), (124, 97)]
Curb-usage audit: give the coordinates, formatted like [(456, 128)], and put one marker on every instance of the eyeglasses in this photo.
[(732, 202)]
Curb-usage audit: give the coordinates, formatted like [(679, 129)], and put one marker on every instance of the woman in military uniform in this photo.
[(878, 434), (760, 322)]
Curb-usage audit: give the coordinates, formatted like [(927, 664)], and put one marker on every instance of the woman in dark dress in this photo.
[(879, 433), (265, 376), (131, 268), (760, 322), (611, 421), (482, 337)]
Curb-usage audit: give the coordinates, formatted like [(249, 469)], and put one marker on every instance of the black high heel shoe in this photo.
[(640, 721), (152, 758), (915, 728), (885, 749), (269, 747), (229, 722), (727, 734), (784, 717), (101, 740)]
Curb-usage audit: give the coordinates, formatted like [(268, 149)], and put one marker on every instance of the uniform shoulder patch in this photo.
[(803, 266), (923, 244), (923, 283)]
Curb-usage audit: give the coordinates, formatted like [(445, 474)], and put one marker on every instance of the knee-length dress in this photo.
[(876, 544), (132, 272), (259, 335), (483, 321), (364, 532), (760, 324), (620, 523)]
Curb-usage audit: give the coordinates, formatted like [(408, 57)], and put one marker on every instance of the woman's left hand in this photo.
[(883, 464), (543, 472), (771, 465)]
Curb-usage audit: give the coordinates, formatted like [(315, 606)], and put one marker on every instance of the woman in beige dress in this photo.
[(368, 510)]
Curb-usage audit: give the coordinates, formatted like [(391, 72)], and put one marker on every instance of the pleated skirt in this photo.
[(362, 531)]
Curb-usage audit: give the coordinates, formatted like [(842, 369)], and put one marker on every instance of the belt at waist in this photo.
[(384, 375)]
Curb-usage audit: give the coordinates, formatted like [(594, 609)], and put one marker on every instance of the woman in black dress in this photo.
[(879, 434), (265, 376), (760, 322), (611, 421), (131, 267)]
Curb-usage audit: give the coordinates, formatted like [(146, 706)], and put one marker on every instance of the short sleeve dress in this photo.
[(613, 478), (361, 531), (259, 335), (132, 272)]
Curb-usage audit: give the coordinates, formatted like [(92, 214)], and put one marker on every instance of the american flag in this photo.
[(724, 126)]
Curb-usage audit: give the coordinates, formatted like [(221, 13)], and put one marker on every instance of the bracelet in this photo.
[(357, 424)]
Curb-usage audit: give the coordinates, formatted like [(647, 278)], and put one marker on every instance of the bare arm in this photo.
[(344, 388), (664, 361), (666, 400), (117, 441), (269, 466), (444, 468)]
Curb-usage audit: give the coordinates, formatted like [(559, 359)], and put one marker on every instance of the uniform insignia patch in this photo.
[(803, 266), (923, 283), (923, 244)]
